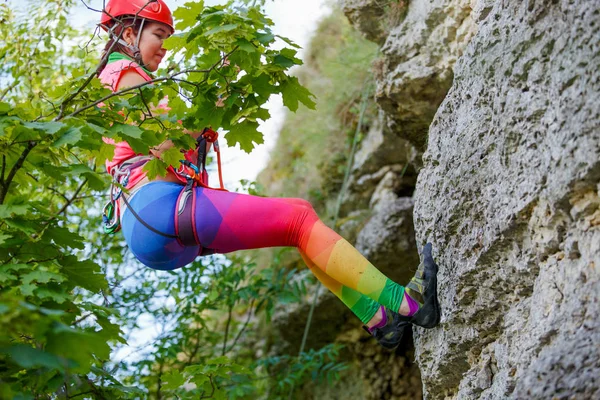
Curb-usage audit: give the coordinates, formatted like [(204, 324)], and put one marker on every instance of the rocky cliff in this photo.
[(498, 105)]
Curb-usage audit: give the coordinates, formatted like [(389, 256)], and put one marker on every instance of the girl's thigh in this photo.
[(228, 221)]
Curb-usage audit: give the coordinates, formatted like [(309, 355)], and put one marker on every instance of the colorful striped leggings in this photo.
[(226, 222)]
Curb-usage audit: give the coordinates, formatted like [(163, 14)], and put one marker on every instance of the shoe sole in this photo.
[(431, 305), (436, 304)]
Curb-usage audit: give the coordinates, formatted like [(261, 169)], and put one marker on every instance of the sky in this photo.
[(294, 19)]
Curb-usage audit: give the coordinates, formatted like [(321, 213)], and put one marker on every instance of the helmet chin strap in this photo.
[(134, 48)]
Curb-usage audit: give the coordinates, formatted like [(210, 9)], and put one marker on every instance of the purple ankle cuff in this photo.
[(413, 305), (381, 323)]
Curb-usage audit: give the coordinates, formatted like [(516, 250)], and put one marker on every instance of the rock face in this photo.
[(509, 196), (504, 98), (416, 70)]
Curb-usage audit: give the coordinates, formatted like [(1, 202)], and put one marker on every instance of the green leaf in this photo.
[(209, 115), (50, 127), (213, 295), (84, 273), (16, 267), (174, 380), (172, 157), (265, 38), (94, 180), (155, 167), (70, 137), (263, 86), (27, 289), (64, 238), (283, 61), (110, 330), (131, 131), (10, 210), (54, 295), (261, 113), (218, 360), (245, 45), (106, 152), (222, 28), (246, 134), (187, 14), (24, 225), (79, 346), (288, 41), (4, 108), (29, 357), (209, 59), (6, 276), (42, 277), (293, 93)]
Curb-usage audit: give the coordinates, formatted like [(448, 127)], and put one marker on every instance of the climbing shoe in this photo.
[(424, 288), (391, 329)]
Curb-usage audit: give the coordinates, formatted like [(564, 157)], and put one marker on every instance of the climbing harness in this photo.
[(195, 174)]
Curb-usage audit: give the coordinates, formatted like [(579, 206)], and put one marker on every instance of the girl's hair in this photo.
[(117, 31)]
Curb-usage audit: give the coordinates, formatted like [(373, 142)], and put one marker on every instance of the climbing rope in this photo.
[(363, 107)]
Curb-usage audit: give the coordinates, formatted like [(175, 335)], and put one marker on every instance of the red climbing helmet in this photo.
[(155, 10)]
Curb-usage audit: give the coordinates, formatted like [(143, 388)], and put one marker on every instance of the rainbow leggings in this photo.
[(227, 222)]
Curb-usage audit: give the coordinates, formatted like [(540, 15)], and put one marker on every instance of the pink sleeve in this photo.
[(122, 152), (113, 72)]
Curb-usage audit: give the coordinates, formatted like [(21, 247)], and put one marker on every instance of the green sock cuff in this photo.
[(362, 306), (392, 295), (365, 309)]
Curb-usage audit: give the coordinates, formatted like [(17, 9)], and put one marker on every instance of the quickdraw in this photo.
[(111, 212), (194, 174)]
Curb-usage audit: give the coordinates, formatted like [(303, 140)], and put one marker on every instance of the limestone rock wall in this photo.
[(503, 98), (508, 194)]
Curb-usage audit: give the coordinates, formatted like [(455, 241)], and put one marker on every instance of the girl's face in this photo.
[(151, 43)]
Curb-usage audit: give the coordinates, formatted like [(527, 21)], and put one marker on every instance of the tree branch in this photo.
[(53, 190), (69, 202), (150, 115), (127, 90), (159, 383), (14, 169), (3, 169), (196, 348), (213, 389), (79, 320), (64, 104), (227, 329), (243, 328), (8, 89)]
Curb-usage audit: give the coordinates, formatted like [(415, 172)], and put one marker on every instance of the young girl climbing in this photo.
[(222, 222)]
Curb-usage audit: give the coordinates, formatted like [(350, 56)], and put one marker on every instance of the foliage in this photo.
[(320, 365), (71, 297), (310, 156)]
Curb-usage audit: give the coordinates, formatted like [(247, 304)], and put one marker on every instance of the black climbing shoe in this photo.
[(389, 335), (429, 313)]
